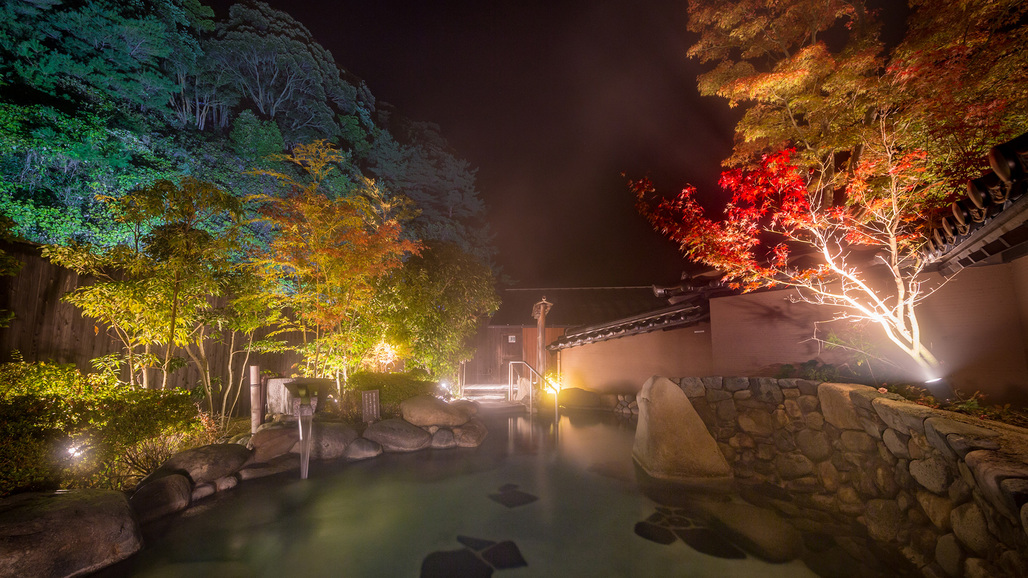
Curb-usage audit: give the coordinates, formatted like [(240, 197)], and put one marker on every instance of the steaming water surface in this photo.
[(388, 516)]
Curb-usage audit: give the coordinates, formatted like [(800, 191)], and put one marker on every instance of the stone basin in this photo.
[(307, 387), (282, 392)]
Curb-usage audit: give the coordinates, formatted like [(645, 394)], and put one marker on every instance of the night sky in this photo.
[(552, 101)]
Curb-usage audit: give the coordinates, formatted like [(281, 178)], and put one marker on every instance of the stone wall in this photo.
[(947, 491)]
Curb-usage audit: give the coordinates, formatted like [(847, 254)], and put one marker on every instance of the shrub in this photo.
[(62, 428), (393, 387), (974, 406)]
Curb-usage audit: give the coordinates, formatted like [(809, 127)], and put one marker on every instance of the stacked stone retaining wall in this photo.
[(947, 491)]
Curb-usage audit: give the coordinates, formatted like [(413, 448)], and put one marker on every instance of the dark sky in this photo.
[(552, 101)]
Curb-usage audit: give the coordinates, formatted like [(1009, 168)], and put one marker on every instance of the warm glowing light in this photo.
[(384, 355), (933, 380)]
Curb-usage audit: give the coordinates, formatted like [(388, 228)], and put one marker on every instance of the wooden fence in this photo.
[(45, 328)]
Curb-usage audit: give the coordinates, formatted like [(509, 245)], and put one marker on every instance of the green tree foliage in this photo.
[(254, 140), (279, 68), (54, 165), (156, 291), (110, 111), (94, 49), (393, 388), (325, 256), (441, 186), (94, 98), (438, 301)]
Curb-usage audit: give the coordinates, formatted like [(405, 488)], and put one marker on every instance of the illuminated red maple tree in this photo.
[(845, 147), (774, 234)]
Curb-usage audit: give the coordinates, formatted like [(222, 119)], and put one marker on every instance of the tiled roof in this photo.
[(576, 306), (991, 224), (681, 315)]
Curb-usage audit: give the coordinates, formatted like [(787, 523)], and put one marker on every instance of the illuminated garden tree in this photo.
[(436, 302), (839, 162), (325, 256), (154, 294)]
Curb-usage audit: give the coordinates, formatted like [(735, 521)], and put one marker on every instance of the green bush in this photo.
[(62, 428), (393, 387)]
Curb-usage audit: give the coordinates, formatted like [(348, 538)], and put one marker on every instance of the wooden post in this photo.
[(256, 399), (539, 311)]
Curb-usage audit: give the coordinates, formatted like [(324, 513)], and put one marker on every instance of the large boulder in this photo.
[(362, 449), (397, 435), (330, 439), (837, 406), (471, 434), (575, 398), (204, 464), (443, 439), (271, 442), (65, 533), (466, 405), (283, 463), (428, 410), (161, 497), (671, 441)]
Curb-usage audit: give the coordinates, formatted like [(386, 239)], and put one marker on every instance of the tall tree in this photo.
[(441, 185), (282, 71), (153, 294), (326, 254), (83, 100), (960, 80), (837, 167), (437, 302)]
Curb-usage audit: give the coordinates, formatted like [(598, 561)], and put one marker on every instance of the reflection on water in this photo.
[(533, 500)]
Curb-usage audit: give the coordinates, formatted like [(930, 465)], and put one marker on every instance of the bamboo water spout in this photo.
[(306, 393)]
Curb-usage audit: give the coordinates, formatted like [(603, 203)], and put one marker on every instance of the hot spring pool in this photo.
[(529, 502)]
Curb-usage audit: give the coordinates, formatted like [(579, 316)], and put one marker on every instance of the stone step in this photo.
[(486, 391)]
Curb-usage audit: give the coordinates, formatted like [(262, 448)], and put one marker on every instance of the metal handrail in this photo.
[(510, 381)]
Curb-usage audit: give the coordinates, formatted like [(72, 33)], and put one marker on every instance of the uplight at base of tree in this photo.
[(939, 387)]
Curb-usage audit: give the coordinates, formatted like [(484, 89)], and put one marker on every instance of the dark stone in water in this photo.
[(707, 542), (463, 563), (504, 555), (476, 544), (508, 487), (657, 518), (512, 498), (654, 533), (680, 522)]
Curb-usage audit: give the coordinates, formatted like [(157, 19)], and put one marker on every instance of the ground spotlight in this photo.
[(939, 387)]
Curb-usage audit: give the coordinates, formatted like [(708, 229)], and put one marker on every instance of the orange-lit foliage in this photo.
[(844, 150), (326, 255), (772, 234)]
